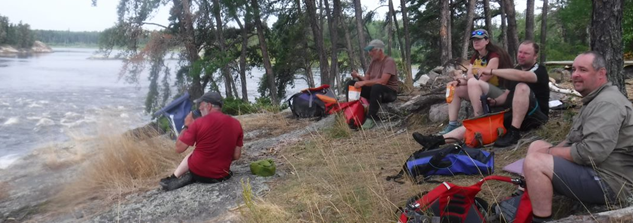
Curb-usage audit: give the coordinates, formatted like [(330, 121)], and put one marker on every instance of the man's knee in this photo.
[(538, 146), (521, 89), (535, 161)]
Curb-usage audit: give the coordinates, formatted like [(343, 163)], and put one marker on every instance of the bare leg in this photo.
[(453, 107), (475, 89), (183, 167), (520, 104), (457, 133), (538, 169)]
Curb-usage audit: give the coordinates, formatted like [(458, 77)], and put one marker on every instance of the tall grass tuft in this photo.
[(258, 210), (340, 129), (122, 164)]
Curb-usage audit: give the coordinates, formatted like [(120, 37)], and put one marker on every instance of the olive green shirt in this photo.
[(602, 136)]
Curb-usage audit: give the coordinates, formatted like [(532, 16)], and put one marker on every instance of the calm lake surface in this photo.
[(61, 96)]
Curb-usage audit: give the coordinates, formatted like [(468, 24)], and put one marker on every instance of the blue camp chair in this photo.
[(176, 111)]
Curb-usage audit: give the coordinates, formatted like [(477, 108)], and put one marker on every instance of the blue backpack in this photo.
[(450, 160)]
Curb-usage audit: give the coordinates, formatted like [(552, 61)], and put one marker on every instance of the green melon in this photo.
[(264, 168)]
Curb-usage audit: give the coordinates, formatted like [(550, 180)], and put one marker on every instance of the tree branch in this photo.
[(156, 24)]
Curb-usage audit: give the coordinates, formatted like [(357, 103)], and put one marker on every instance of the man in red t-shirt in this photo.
[(218, 139)]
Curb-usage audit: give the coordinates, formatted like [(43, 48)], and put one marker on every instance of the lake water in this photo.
[(56, 97)]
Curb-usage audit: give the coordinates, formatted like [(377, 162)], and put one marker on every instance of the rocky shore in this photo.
[(38, 47)]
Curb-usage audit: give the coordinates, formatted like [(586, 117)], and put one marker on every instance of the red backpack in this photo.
[(452, 203), (354, 111)]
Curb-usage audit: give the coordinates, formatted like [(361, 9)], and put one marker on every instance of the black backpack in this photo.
[(306, 104)]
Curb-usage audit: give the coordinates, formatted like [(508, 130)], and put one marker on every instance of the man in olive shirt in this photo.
[(593, 164), (380, 82)]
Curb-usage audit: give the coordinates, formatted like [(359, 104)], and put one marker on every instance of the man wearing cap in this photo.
[(218, 139), (380, 82)]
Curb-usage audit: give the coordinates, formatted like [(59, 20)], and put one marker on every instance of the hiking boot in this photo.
[(448, 129), (167, 179), (369, 123), (429, 141), (510, 138), (177, 182)]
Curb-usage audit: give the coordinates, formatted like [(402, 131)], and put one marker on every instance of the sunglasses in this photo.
[(478, 32)]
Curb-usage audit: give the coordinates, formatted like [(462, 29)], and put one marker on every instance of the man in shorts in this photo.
[(593, 163), (527, 93)]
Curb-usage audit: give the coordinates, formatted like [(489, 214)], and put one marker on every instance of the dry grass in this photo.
[(121, 165), (335, 177), (271, 124)]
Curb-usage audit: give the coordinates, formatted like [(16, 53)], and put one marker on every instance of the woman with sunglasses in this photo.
[(487, 55)]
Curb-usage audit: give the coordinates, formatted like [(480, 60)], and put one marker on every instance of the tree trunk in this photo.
[(470, 15), (450, 30), (264, 47), (504, 26), (318, 40), (390, 33), (244, 33), (186, 28), (408, 79), (488, 18), (333, 25), (513, 37), (348, 44), (529, 20), (444, 20), (307, 63), (544, 32), (220, 38), (606, 37), (399, 36), (361, 33)]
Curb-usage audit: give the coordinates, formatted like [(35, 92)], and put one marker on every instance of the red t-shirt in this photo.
[(215, 135)]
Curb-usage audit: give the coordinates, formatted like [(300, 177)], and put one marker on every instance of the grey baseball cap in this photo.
[(378, 44), (211, 97)]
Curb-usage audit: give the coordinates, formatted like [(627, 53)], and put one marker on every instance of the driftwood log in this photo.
[(620, 215)]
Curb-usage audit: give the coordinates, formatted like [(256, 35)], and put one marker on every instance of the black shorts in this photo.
[(534, 117), (580, 182), (207, 180)]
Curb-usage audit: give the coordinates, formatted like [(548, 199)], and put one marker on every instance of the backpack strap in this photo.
[(292, 108)]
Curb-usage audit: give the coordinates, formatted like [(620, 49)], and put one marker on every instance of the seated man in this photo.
[(527, 95), (593, 163), (380, 82), (218, 139)]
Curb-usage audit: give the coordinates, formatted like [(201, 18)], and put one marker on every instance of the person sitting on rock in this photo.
[(218, 139), (593, 163), (380, 82), (527, 94), (486, 56)]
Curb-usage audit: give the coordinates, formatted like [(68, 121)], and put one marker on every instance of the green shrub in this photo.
[(235, 106)]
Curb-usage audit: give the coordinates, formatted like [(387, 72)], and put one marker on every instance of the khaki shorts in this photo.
[(494, 91)]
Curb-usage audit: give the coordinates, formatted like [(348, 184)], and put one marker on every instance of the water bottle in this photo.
[(484, 104)]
